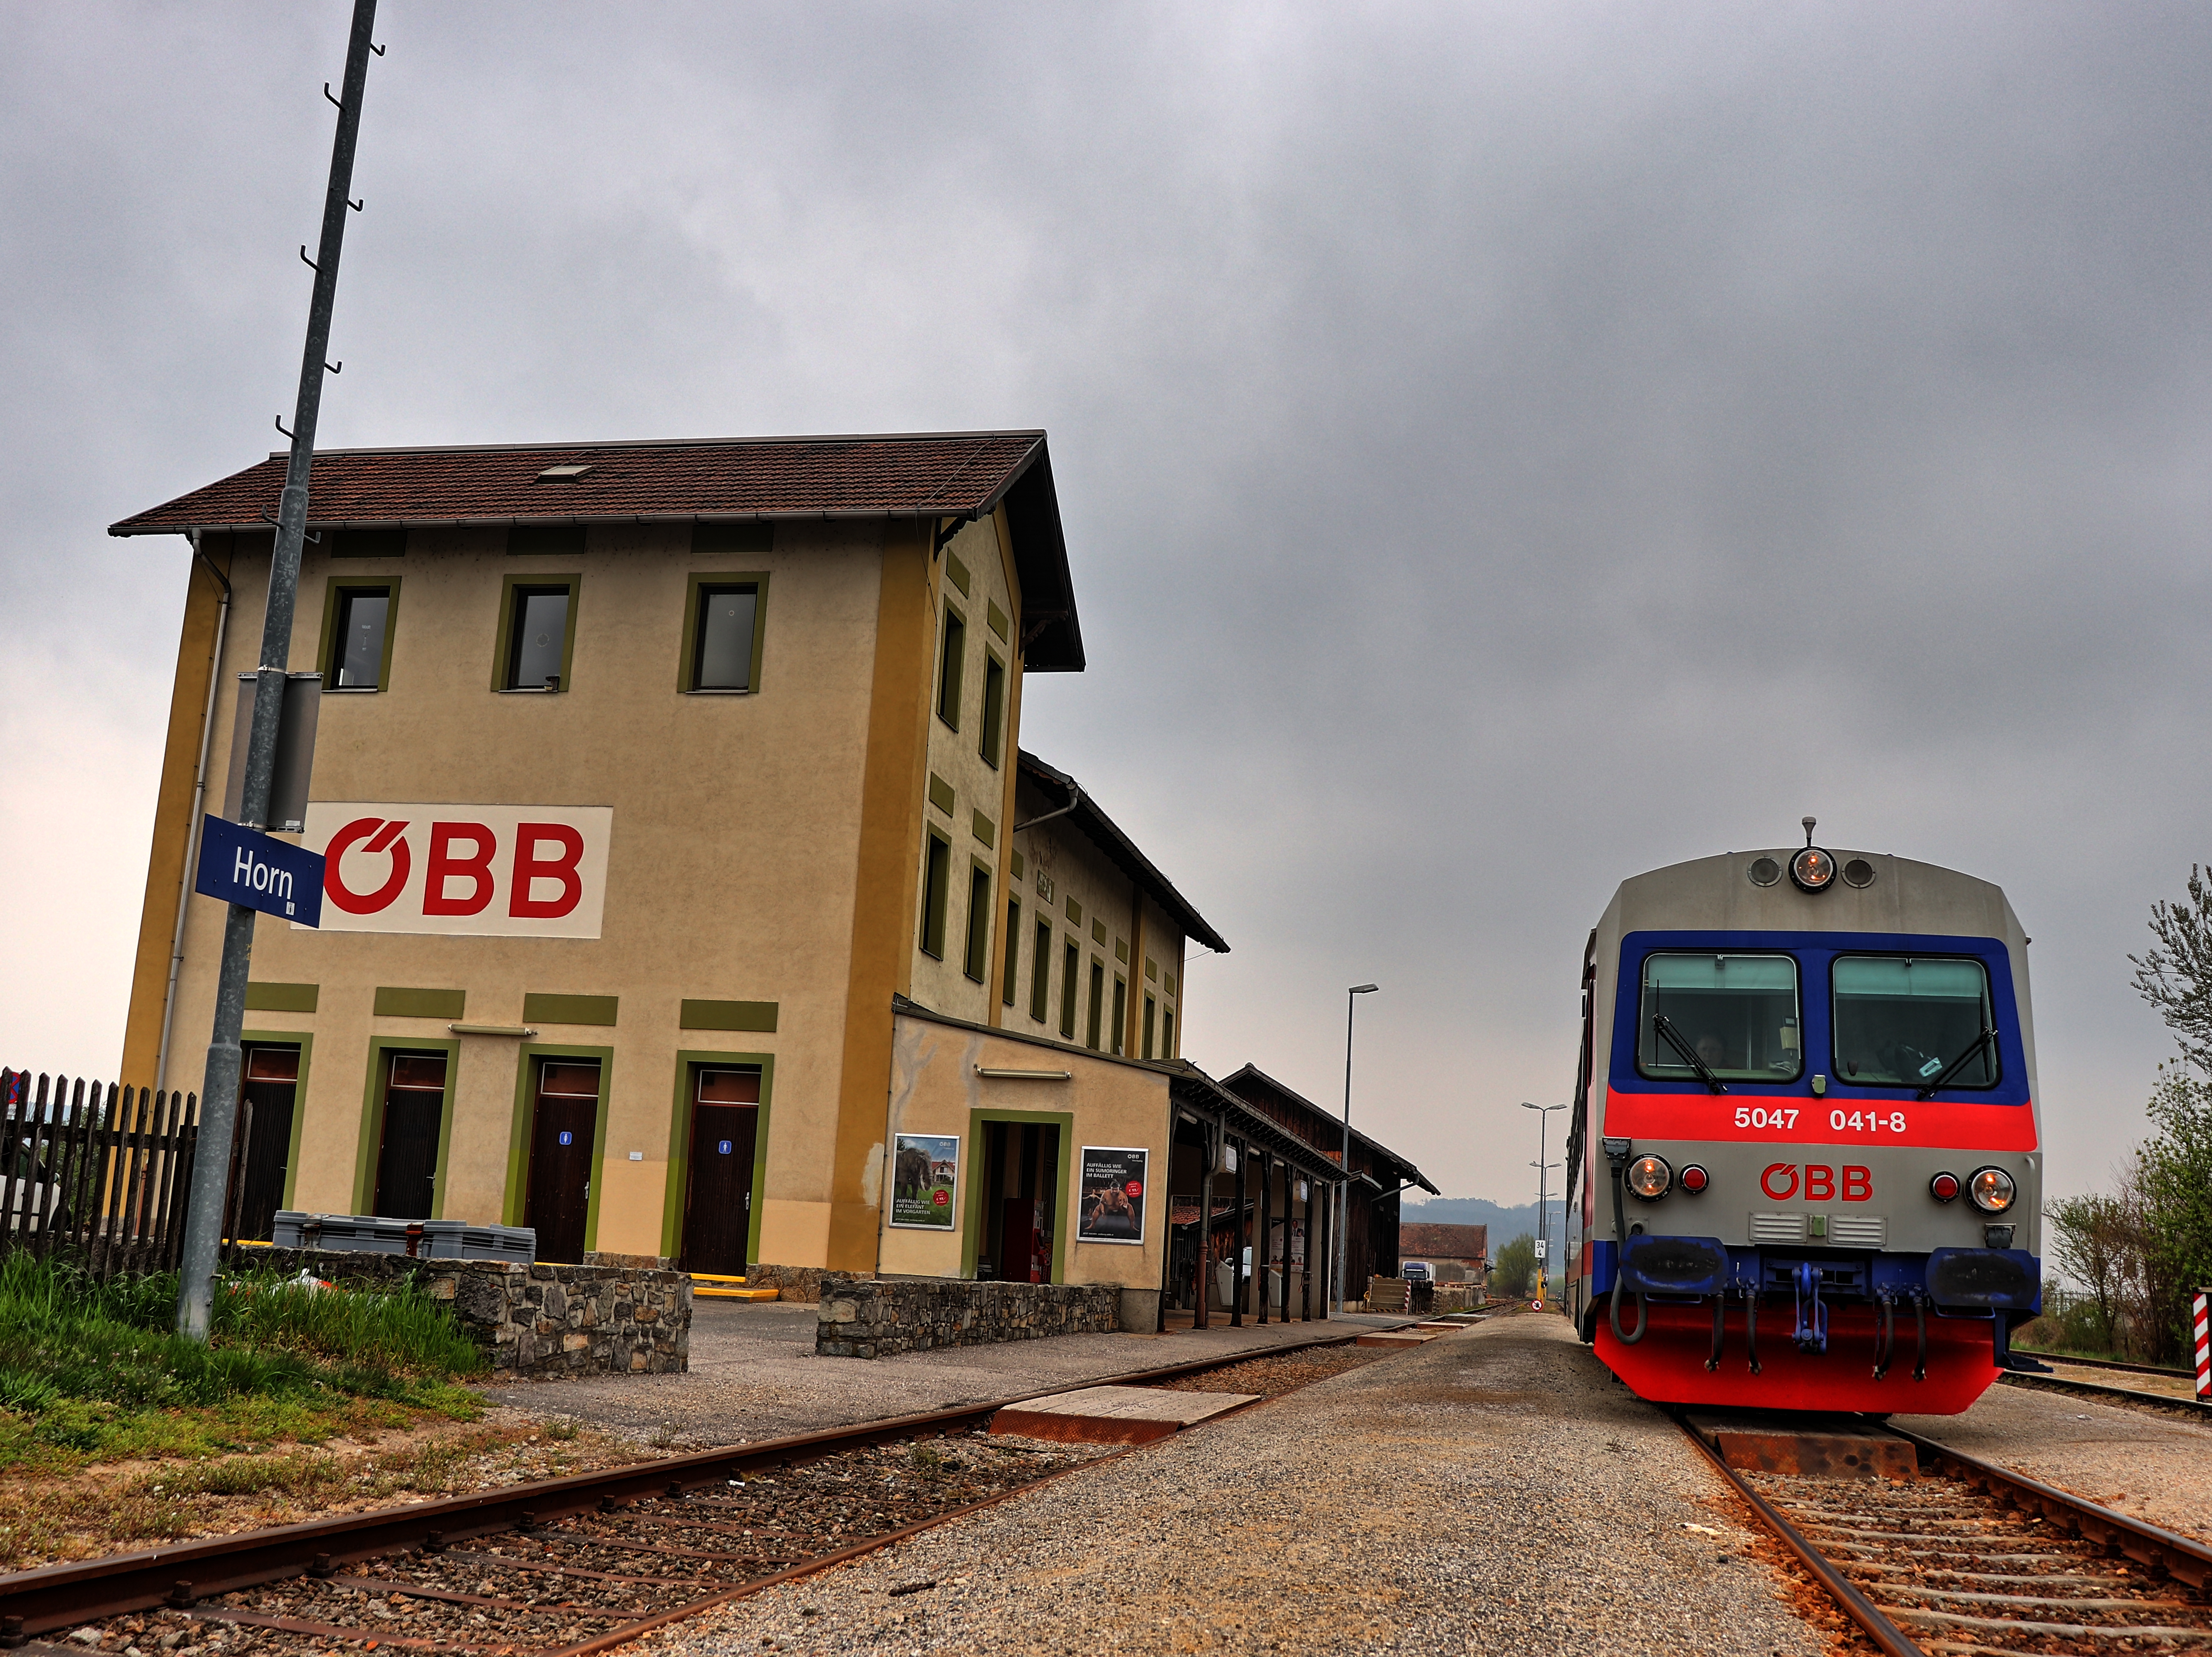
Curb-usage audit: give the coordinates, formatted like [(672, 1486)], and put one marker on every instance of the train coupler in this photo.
[(1811, 1333)]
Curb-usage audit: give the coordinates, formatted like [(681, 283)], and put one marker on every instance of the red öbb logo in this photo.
[(1816, 1182)]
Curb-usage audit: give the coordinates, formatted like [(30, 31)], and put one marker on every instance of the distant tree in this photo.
[(2175, 975), (2091, 1239), (1515, 1268), (2172, 1183)]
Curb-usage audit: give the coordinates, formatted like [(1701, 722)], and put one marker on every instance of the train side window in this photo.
[(1738, 1013), (1901, 1021)]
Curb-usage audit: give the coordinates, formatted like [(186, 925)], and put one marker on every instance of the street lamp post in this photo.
[(1543, 1191), (1344, 1204)]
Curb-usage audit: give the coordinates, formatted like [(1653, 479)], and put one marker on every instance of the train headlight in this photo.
[(1990, 1190), (1649, 1178), (1813, 870), (1695, 1179), (1943, 1187)]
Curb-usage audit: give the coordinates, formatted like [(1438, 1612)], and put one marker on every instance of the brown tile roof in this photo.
[(927, 475), (1422, 1240)]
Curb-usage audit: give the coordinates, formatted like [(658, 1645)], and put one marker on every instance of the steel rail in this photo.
[(2166, 1369), (51, 1597), (2194, 1409), (1892, 1640), (2180, 1556)]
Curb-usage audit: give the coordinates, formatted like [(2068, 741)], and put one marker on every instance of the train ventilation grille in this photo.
[(1777, 1228), (1858, 1230)]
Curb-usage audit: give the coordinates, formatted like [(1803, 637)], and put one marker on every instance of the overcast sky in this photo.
[(1502, 448)]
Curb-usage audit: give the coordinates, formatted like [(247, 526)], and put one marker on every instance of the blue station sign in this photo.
[(243, 865)]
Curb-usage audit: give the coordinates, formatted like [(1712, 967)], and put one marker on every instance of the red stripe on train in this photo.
[(1797, 1120)]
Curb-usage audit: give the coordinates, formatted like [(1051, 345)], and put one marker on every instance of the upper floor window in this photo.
[(949, 667), (538, 633), (722, 632), (1903, 1021), (1738, 1014), (995, 708), (357, 635)]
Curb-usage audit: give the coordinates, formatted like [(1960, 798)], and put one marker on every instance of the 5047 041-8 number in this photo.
[(1866, 1122), (1760, 1116)]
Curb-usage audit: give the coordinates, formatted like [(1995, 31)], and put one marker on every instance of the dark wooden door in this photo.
[(718, 1202), (561, 1144), (1016, 1238), (414, 1111), (272, 1089)]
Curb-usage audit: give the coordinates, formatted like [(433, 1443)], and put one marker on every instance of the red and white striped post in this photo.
[(2203, 1346)]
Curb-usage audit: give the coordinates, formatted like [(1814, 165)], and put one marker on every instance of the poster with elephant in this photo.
[(1113, 1207), (925, 1180)]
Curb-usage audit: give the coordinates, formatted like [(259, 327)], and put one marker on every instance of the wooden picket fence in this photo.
[(94, 1172)]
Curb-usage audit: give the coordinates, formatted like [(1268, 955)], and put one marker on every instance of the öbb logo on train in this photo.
[(1782, 1180)]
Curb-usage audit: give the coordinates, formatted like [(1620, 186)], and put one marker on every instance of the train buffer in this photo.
[(1803, 1444)]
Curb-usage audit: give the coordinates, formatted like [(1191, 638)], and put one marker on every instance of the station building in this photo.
[(689, 894)]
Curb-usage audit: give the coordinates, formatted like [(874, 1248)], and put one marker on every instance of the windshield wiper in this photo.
[(1944, 1075), (1672, 1037)]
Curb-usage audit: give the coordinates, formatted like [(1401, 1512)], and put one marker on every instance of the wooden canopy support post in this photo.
[(1205, 1229)]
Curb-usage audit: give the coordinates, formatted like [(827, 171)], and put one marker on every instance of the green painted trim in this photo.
[(506, 634), (941, 795), (984, 829), (1074, 910), (518, 1142), (679, 1147), (1065, 1121), (1014, 864), (951, 666), (1121, 950), (1151, 969), (978, 972), (996, 617), (991, 738), (264, 997), (1098, 931), (343, 584), (543, 1009), (395, 1001), (1011, 987), (372, 1120), (936, 898), (687, 659), (306, 1043), (958, 572), (754, 1015)]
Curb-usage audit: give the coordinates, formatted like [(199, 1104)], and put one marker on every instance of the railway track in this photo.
[(1971, 1558), (558, 1568), (2195, 1409)]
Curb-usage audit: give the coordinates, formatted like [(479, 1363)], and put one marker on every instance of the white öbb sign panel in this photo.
[(475, 870)]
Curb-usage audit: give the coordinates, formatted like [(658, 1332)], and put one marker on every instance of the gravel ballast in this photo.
[(1492, 1491)]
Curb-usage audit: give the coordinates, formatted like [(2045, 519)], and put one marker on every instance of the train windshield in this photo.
[(1901, 1021), (1738, 1013)]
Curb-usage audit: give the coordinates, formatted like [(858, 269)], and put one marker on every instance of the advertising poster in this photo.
[(925, 1180), (1113, 1208)]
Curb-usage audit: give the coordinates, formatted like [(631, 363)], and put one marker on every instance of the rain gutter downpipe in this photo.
[(192, 823)]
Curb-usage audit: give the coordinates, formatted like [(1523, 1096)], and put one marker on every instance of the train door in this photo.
[(269, 1091), (563, 1129), (718, 1200), (414, 1112)]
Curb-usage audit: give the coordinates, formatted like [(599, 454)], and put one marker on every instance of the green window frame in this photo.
[(337, 593), (951, 664), (1011, 983), (506, 652), (976, 960), (1071, 977), (1120, 1012), (515, 1203), (305, 1042), (699, 590), (936, 880), (974, 1215), (994, 708), (381, 1047), (1151, 1024), (1167, 1033), (688, 1062), (1097, 1009), (1041, 973)]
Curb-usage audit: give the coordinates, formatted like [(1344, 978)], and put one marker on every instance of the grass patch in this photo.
[(94, 1371)]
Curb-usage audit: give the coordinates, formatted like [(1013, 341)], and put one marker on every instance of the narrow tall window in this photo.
[(1098, 1006), (1041, 973), (538, 639), (1070, 967), (1013, 951), (995, 708), (978, 962), (722, 654), (1151, 1017), (936, 877), (357, 635), (1166, 1033), (1120, 1010), (949, 669)]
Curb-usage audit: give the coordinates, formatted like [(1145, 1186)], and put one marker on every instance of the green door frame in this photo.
[(518, 1141), (970, 1234), (306, 1043), (372, 1117), (679, 1147)]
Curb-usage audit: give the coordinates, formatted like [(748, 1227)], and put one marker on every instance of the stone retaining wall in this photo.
[(531, 1320), (791, 1282), (873, 1318)]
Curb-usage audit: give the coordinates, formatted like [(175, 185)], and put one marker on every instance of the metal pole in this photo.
[(204, 1218)]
